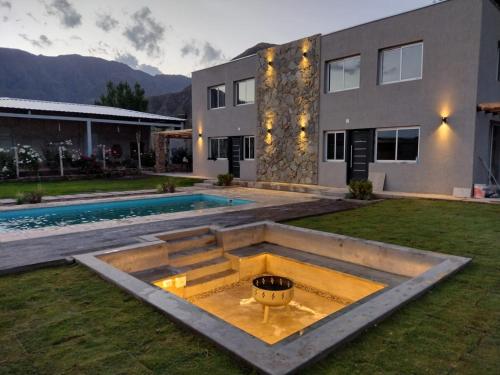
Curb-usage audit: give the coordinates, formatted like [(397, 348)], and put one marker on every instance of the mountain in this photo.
[(173, 104), (73, 78), (253, 50)]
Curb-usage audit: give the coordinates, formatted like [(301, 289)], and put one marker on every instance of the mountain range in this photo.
[(73, 78)]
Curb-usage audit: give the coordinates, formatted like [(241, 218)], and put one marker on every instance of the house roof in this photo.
[(80, 110)]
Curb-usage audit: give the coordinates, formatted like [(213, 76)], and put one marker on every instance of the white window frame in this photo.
[(244, 148), (400, 48), (218, 148), (236, 92), (218, 98), (396, 151), (343, 59), (325, 150)]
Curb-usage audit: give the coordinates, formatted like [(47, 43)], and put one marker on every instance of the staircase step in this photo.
[(210, 282), (190, 242), (209, 267), (188, 257), (177, 234)]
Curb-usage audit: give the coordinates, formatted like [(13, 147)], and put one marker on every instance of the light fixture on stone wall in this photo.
[(270, 63), (269, 131), (304, 54), (303, 128)]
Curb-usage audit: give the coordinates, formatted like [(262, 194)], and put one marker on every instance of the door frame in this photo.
[(348, 156)]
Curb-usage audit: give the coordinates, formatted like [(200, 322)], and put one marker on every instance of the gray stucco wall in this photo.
[(229, 121), (488, 87), (450, 33)]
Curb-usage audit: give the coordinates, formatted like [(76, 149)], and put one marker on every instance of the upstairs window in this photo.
[(344, 74), (335, 146), (245, 91), (218, 148), (401, 63), (217, 97), (398, 144), (249, 148)]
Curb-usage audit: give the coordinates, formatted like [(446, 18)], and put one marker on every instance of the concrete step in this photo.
[(177, 234), (190, 242), (192, 256), (210, 282), (202, 269)]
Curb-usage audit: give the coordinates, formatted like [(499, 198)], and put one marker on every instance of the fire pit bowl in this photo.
[(272, 291)]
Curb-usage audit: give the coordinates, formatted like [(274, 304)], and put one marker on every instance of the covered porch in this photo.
[(163, 142)]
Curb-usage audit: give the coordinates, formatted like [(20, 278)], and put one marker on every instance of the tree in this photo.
[(122, 96)]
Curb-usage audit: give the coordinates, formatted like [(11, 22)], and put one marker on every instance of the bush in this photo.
[(29, 158), (225, 179), (166, 187), (34, 196), (88, 165), (361, 189), (7, 166)]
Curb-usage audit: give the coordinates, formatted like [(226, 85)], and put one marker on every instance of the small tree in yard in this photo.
[(122, 96)]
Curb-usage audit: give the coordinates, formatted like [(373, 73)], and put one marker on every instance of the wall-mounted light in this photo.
[(268, 130), (270, 63), (303, 128), (304, 54), (444, 120), (200, 134)]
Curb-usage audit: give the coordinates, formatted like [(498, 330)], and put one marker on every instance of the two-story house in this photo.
[(414, 98)]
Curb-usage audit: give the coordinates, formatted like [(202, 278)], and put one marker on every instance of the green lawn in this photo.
[(67, 320), (9, 189)]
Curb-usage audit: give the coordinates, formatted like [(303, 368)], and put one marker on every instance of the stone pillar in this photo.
[(287, 96), (159, 145), (88, 138)]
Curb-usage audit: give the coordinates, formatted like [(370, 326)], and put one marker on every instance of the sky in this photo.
[(177, 36)]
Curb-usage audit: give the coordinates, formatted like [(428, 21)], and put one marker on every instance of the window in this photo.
[(401, 63), (218, 148), (335, 146), (249, 153), (245, 91), (344, 74), (398, 144), (217, 97)]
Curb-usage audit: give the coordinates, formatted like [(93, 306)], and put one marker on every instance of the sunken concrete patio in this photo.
[(201, 277)]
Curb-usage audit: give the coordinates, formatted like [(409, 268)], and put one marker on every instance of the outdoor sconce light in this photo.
[(303, 128), (270, 63), (444, 120), (200, 134), (304, 53), (269, 131)]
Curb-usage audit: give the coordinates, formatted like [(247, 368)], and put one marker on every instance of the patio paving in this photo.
[(22, 255)]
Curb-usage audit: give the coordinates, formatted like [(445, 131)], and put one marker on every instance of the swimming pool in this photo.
[(35, 218)]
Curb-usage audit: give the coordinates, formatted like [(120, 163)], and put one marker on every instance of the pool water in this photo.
[(34, 218)]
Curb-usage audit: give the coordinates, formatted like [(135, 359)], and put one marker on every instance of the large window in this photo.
[(335, 146), (401, 63), (217, 97), (218, 148), (249, 143), (245, 91), (343, 74), (398, 144)]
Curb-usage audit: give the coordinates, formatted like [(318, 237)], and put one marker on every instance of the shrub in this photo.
[(34, 196), (166, 187), (88, 165), (225, 179), (361, 189), (29, 158), (7, 166)]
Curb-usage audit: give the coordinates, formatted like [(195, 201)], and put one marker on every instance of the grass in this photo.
[(67, 320), (9, 189)]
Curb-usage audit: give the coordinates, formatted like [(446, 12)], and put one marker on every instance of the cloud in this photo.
[(30, 15), (205, 52), (41, 42), (67, 14), (102, 48), (106, 22), (145, 33), (6, 4), (131, 60)]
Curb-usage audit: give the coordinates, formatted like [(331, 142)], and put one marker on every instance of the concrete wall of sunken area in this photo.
[(287, 94)]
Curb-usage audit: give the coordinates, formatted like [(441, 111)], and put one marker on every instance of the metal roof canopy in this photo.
[(183, 134), (489, 108), (44, 110)]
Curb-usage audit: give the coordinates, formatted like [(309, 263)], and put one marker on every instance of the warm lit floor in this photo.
[(66, 320)]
